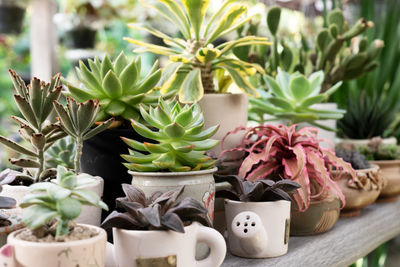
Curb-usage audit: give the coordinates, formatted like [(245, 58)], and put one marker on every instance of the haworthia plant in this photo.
[(181, 142), (117, 86), (194, 61), (35, 104), (61, 199), (291, 97), (77, 120)]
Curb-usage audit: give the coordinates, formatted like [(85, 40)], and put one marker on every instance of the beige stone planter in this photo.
[(258, 229), (227, 110), (361, 192), (88, 252), (319, 218), (199, 185), (167, 248), (390, 170)]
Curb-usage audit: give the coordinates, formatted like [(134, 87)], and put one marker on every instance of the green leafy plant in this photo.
[(6, 177), (61, 153), (258, 191), (117, 86), (291, 97), (194, 61), (376, 150), (181, 140), (35, 104), (77, 120), (58, 201), (160, 211)]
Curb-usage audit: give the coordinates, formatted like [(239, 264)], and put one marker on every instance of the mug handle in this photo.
[(217, 245)]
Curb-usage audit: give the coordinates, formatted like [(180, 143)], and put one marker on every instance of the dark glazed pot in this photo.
[(101, 157), (11, 18), (82, 38)]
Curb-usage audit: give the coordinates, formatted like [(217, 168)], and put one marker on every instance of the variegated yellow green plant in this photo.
[(117, 86), (194, 61), (181, 141)]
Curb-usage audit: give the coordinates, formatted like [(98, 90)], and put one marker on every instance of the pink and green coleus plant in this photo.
[(282, 152)]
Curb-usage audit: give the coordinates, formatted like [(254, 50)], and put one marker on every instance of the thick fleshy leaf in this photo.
[(299, 87), (192, 88), (196, 10), (152, 215), (112, 85), (242, 82)]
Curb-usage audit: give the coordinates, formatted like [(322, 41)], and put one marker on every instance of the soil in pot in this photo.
[(81, 38), (101, 157), (11, 19)]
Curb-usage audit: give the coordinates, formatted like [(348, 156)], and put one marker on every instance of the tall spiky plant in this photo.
[(194, 60), (35, 104)]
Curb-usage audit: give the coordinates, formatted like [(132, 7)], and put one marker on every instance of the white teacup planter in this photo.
[(86, 252), (258, 229), (149, 248)]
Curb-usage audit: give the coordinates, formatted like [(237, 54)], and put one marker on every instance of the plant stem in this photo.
[(62, 227), (78, 154), (41, 164), (207, 78)]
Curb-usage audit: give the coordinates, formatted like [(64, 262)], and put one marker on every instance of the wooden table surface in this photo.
[(349, 240)]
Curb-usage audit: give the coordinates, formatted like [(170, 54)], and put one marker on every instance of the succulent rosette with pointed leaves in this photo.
[(291, 97), (117, 86), (194, 61), (160, 211), (181, 140), (281, 151)]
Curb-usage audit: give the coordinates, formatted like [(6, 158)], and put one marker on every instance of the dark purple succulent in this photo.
[(259, 191), (160, 211)]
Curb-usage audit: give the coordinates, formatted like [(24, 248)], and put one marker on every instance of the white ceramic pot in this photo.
[(147, 248), (92, 215), (16, 192), (199, 185), (227, 110), (87, 252), (365, 142), (258, 229)]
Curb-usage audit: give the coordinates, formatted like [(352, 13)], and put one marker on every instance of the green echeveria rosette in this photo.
[(181, 142), (117, 86)]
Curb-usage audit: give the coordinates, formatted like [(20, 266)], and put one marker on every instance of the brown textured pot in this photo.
[(390, 170), (319, 218), (362, 191)]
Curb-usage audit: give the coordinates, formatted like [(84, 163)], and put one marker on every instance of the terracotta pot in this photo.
[(16, 224), (361, 192), (390, 170), (199, 185), (258, 229), (320, 217), (152, 248), (227, 110), (87, 252)]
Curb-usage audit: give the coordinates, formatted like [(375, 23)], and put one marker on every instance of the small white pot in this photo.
[(258, 229), (136, 248), (16, 192), (87, 252), (227, 110), (199, 185)]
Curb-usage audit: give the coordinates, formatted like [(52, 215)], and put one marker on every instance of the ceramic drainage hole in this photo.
[(245, 224), (248, 217), (238, 223), (245, 231), (253, 224)]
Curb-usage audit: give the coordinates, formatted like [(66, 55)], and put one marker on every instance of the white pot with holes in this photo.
[(258, 229)]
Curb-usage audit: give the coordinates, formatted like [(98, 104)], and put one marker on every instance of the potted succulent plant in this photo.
[(35, 104), (364, 189), (8, 222), (198, 69), (282, 151), (61, 153), (257, 216), (387, 157), (165, 229), (51, 237), (176, 156), (12, 14)]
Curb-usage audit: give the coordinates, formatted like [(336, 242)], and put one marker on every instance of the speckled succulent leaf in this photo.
[(160, 211), (180, 141)]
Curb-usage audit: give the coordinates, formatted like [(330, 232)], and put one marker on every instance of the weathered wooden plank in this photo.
[(349, 240)]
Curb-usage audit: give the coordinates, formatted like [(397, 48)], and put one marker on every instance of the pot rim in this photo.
[(146, 232), (169, 174), (361, 141), (224, 94), (373, 167), (385, 162), (101, 234), (263, 203)]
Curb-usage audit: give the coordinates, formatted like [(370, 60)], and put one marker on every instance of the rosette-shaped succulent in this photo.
[(180, 141), (117, 86), (61, 153)]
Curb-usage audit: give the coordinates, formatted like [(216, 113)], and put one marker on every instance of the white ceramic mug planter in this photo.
[(258, 229), (227, 110), (87, 252), (147, 248)]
